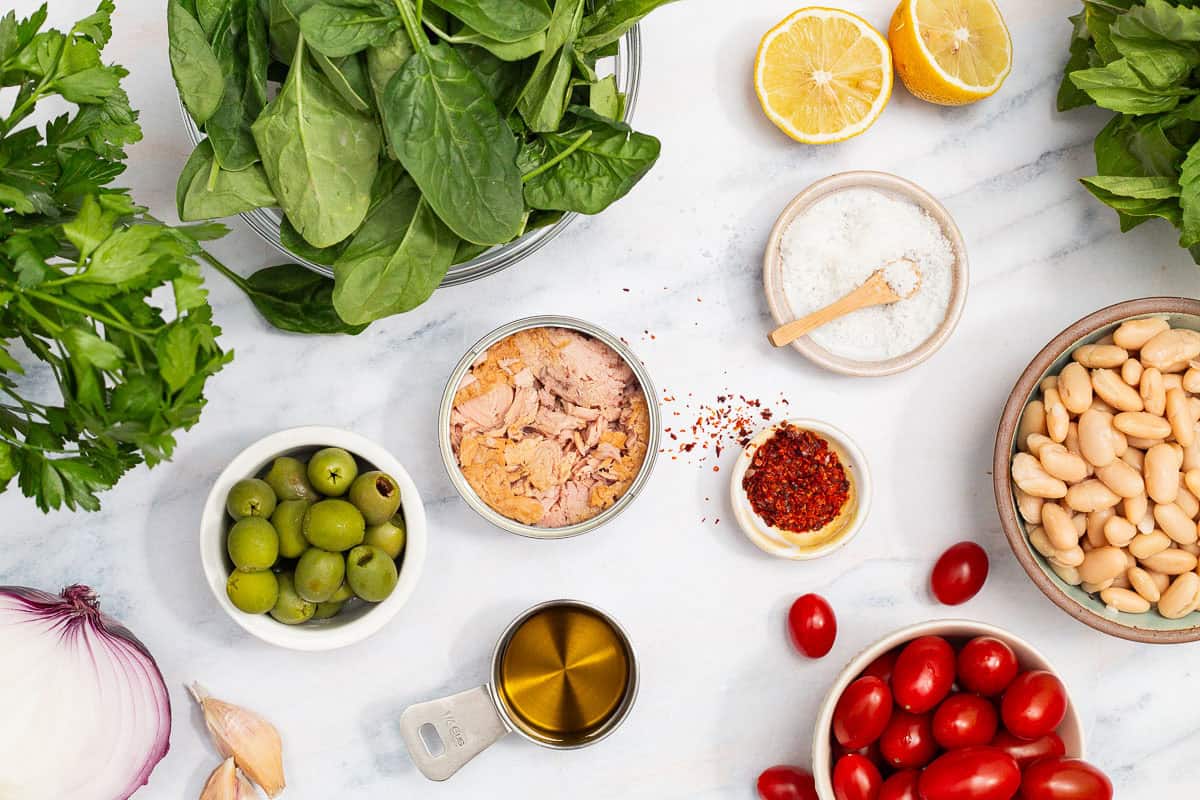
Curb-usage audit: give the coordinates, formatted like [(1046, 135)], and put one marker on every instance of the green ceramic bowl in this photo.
[(1181, 312)]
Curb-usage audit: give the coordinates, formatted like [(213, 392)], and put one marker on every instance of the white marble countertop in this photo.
[(675, 269)]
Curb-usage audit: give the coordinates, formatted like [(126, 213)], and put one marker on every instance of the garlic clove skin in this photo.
[(222, 784), (250, 740)]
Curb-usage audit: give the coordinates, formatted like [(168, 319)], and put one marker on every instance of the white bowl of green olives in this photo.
[(313, 538)]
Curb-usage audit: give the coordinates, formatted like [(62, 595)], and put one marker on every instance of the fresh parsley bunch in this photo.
[(1141, 59), (109, 300)]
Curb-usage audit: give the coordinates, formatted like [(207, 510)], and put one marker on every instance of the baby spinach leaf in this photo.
[(206, 191), (502, 20), (396, 260), (589, 165), (348, 77), (319, 154), (613, 21), (543, 100), (337, 28), (193, 64), (291, 298), (450, 137), (291, 239), (244, 93), (503, 80), (469, 250), (283, 26), (208, 12), (604, 99), (385, 60)]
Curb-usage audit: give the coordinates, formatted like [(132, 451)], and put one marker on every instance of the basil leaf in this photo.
[(1155, 188), (193, 64), (1117, 87), (1189, 200), (502, 20)]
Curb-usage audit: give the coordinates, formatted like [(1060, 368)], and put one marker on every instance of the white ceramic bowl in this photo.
[(353, 624), (1071, 729), (776, 542)]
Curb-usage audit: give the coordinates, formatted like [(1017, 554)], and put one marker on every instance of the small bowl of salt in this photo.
[(833, 237)]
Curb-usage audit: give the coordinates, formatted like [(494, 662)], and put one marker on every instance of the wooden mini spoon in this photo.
[(875, 291)]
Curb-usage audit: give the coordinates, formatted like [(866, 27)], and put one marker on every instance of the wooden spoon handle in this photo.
[(789, 332)]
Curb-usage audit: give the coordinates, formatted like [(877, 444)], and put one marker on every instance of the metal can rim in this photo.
[(451, 463)]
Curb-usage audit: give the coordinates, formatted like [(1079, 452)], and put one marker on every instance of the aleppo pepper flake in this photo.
[(796, 482)]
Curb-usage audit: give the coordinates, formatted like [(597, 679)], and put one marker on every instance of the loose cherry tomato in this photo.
[(786, 783), (1065, 779), (856, 778), (901, 786), (1033, 705), (986, 666), (882, 667), (923, 674), (959, 574), (973, 773), (812, 625), (862, 712), (964, 720), (1049, 746), (908, 741)]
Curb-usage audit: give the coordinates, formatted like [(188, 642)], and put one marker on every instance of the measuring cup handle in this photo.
[(465, 725)]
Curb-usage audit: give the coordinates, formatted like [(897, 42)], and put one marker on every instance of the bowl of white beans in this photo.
[(1097, 470)]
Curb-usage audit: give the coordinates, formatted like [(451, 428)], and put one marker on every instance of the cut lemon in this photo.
[(950, 52), (823, 75)]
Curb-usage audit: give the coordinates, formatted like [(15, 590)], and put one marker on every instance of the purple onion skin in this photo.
[(78, 605)]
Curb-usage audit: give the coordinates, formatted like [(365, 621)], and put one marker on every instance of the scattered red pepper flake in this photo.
[(796, 481)]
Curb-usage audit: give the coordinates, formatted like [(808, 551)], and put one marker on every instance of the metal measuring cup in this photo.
[(443, 735)]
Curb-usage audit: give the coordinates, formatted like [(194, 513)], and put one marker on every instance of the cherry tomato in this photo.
[(973, 773), (1065, 779), (901, 786), (908, 741), (1049, 746), (986, 666), (856, 778), (1033, 705), (812, 625), (882, 667), (964, 720), (862, 712), (923, 674), (786, 783), (959, 574)]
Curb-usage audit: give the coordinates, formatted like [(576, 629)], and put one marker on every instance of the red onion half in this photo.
[(84, 712)]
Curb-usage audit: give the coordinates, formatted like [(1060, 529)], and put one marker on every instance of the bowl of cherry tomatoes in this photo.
[(951, 710)]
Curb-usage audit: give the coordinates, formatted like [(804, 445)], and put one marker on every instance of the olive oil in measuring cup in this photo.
[(564, 675)]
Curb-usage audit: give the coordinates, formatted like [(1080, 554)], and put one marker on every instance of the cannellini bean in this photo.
[(1061, 464), (1059, 527), (1170, 562), (1194, 405), (1179, 599), (1075, 388), (1131, 371), (1095, 438), (1134, 457), (1124, 600), (1033, 479), (1170, 347), (1142, 444), (1036, 442), (1094, 356), (1069, 575), (1029, 506), (1174, 522), (1147, 545), (1121, 581), (1080, 523), (1147, 523), (1187, 501), (1116, 392), (1119, 531), (1089, 495), (1094, 588), (1033, 420), (1191, 453), (1100, 405), (1161, 581), (1134, 333), (1191, 479), (1193, 548), (1152, 391), (1143, 584), (1161, 473), (1071, 557), (1040, 542), (1057, 418), (1191, 380), (1094, 529), (1135, 509), (1072, 445), (1142, 425), (1118, 476), (1172, 380), (1179, 415), (1102, 564)]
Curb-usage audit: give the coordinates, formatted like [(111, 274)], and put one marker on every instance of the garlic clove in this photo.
[(246, 790), (253, 742), (222, 784)]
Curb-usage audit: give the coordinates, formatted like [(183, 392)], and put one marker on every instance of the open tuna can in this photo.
[(549, 427), (564, 676)]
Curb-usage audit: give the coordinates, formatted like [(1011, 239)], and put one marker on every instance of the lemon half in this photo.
[(950, 52)]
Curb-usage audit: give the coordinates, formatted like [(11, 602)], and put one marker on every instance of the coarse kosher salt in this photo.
[(838, 242)]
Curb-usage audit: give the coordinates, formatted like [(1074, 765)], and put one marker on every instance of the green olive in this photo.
[(388, 536), (370, 573), (253, 592), (343, 593), (331, 471), (319, 573), (289, 478), (253, 544), (376, 495), (288, 520), (250, 498), (328, 609), (333, 525), (290, 608)]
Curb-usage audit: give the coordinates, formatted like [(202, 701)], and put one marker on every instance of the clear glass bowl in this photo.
[(627, 66)]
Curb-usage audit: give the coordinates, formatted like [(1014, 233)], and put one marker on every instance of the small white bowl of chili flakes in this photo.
[(800, 489)]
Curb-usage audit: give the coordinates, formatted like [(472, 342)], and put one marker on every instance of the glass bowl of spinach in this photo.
[(566, 94)]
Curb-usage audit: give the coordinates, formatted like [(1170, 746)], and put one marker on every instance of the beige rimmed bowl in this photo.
[(888, 184), (804, 546), (1028, 657)]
